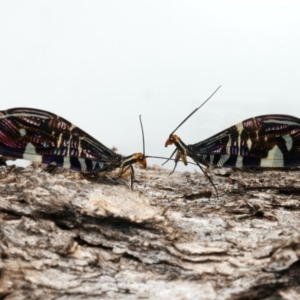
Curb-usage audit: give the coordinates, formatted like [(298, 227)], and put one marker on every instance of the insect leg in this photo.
[(174, 168), (170, 156), (132, 178), (205, 172), (177, 159)]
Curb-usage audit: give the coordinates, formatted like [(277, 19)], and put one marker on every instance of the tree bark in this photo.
[(68, 236)]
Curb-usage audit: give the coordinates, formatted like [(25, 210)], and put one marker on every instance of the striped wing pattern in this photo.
[(263, 141), (41, 136)]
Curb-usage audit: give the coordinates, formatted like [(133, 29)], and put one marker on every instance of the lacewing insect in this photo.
[(266, 141), (43, 137)]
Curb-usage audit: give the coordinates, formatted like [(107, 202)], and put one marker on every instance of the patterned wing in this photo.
[(263, 141), (41, 136)]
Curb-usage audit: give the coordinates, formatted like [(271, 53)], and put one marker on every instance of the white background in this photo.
[(100, 64)]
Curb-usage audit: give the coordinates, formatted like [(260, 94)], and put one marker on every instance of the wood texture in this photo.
[(66, 236)]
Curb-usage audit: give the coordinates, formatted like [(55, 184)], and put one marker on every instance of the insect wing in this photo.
[(263, 141), (41, 136)]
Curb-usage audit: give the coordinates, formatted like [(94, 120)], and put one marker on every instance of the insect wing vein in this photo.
[(263, 141), (41, 136)]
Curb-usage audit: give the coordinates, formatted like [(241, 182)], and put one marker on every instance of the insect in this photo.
[(43, 137), (264, 141)]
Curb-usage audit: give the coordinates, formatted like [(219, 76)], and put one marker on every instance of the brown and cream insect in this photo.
[(43, 137), (265, 141)]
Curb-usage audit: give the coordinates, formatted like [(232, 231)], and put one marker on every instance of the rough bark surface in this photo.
[(66, 236)]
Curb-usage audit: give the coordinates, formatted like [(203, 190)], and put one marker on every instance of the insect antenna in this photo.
[(194, 111), (140, 158), (160, 157)]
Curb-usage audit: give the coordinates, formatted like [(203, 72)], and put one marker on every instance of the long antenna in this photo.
[(195, 110), (160, 157), (142, 134)]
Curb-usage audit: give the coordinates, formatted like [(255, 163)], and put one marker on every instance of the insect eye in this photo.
[(171, 139), (141, 157)]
